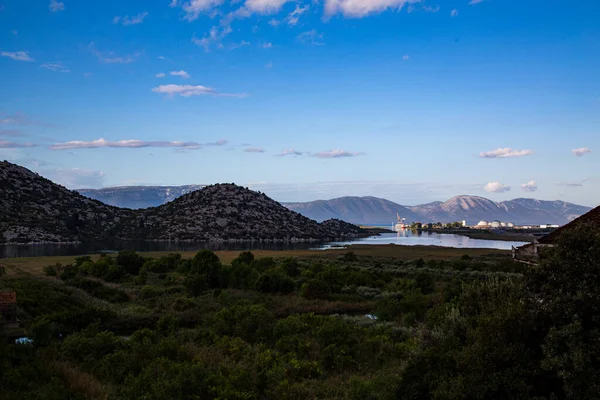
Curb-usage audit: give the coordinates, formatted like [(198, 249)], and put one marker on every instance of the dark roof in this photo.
[(592, 216)]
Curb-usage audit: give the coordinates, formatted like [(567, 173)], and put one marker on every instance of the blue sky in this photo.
[(414, 101)]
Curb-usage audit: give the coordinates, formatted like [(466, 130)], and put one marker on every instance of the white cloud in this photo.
[(75, 178), (56, 67), (505, 153), (173, 4), (274, 22), (220, 142), (162, 57), (17, 55), (362, 8), (311, 37), (14, 145), (22, 119), (127, 20), (160, 75), (337, 153), (181, 73), (454, 13), (194, 8), (267, 45), (473, 2), (9, 132), (215, 35), (581, 151), (406, 57), (269, 65), (496, 187), (294, 16), (290, 152), (130, 144), (264, 6), (192, 90), (254, 150), (240, 44), (530, 186), (431, 9), (55, 6)]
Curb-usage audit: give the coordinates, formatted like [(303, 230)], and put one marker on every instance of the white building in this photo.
[(483, 223), (496, 224)]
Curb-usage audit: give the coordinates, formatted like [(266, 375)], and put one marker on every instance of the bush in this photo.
[(131, 261), (195, 284), (290, 266), (208, 264), (244, 258), (314, 289), (114, 273), (274, 281), (49, 270), (349, 257)]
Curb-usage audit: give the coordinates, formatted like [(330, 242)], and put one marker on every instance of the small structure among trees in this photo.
[(530, 252)]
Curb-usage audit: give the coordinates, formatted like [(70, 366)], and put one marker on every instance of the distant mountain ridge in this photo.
[(33, 209), (136, 197), (373, 210)]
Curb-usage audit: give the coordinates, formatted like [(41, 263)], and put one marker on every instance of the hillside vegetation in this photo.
[(338, 326)]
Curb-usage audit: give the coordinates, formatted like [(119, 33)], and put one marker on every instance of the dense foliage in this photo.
[(355, 327)]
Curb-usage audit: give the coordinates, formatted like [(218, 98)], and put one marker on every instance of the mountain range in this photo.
[(33, 209), (373, 210)]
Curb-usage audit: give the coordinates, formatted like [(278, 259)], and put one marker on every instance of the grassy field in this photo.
[(34, 265)]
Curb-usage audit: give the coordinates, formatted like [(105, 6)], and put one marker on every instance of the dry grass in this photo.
[(35, 265), (81, 382)]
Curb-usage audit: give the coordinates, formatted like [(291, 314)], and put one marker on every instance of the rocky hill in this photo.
[(137, 197), (34, 209)]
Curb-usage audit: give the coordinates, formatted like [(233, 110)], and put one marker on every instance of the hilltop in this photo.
[(137, 197), (34, 209)]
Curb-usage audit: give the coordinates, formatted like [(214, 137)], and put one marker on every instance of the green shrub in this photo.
[(274, 281), (49, 270), (314, 289), (350, 257), (131, 261), (207, 263), (196, 284), (114, 273)]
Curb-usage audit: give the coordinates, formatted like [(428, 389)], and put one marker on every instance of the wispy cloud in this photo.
[(269, 65), (162, 57), (311, 37), (17, 55), (111, 58), (127, 20), (160, 75), (473, 2), (10, 132), (214, 36), (274, 22), (362, 8), (192, 90), (129, 144), (406, 57), (4, 144), (496, 187), (572, 184), (454, 13), (264, 6), (337, 153), (267, 45), (56, 67), (55, 6), (290, 152), (505, 152), (21, 119), (243, 43), (431, 9), (530, 186), (75, 178), (293, 17), (181, 73), (194, 8), (581, 151), (254, 150), (220, 142)]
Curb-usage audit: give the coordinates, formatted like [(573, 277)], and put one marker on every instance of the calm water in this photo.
[(409, 238), (406, 238)]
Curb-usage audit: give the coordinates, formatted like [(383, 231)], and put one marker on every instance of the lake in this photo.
[(404, 238)]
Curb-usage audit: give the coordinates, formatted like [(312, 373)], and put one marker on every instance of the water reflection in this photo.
[(410, 238), (401, 238)]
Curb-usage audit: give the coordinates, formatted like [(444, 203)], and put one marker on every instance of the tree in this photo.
[(565, 288), (131, 261), (207, 263)]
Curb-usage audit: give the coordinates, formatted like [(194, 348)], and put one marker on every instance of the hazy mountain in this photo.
[(358, 210), (138, 196), (34, 209), (519, 211), (375, 211)]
